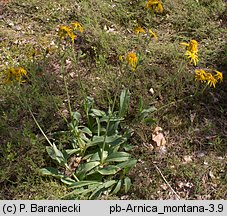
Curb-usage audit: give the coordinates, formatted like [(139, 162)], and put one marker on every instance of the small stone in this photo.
[(151, 91), (200, 154), (10, 24)]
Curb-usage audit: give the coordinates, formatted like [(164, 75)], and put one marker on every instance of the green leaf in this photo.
[(55, 173), (118, 187), (52, 172), (96, 156), (112, 140), (149, 110), (87, 131), (109, 183), (118, 157), (127, 147), (115, 140), (56, 154), (96, 193), (109, 170), (82, 191), (127, 184), (88, 104), (84, 183), (72, 151), (141, 104), (96, 140), (101, 188), (68, 180), (84, 168), (144, 115), (76, 116), (127, 165), (98, 126), (113, 126), (112, 119), (124, 102), (84, 137), (97, 113)]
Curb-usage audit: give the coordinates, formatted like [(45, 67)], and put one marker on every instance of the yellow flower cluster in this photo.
[(139, 30), (68, 31), (192, 51), (17, 74), (154, 5), (132, 60), (209, 78), (65, 31)]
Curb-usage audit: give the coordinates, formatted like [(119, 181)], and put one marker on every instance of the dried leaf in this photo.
[(187, 159), (158, 137), (73, 164)]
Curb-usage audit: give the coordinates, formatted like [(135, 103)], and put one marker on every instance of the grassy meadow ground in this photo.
[(195, 127)]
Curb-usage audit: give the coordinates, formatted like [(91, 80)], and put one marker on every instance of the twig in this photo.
[(178, 197)]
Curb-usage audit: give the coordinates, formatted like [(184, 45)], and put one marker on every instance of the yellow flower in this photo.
[(132, 60), (200, 75), (192, 46), (192, 51), (65, 31), (15, 74), (139, 29), (154, 5), (152, 34), (76, 25), (193, 57), (211, 81), (218, 76)]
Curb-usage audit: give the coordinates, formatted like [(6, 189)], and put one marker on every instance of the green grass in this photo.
[(193, 126)]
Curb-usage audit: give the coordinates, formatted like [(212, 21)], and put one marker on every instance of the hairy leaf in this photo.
[(124, 102), (118, 157), (109, 170)]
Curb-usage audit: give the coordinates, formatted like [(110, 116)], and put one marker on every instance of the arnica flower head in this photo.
[(66, 31), (193, 57), (218, 75), (17, 74), (200, 75), (211, 81), (154, 5), (152, 34), (139, 29), (192, 51), (77, 26), (132, 60), (192, 46)]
